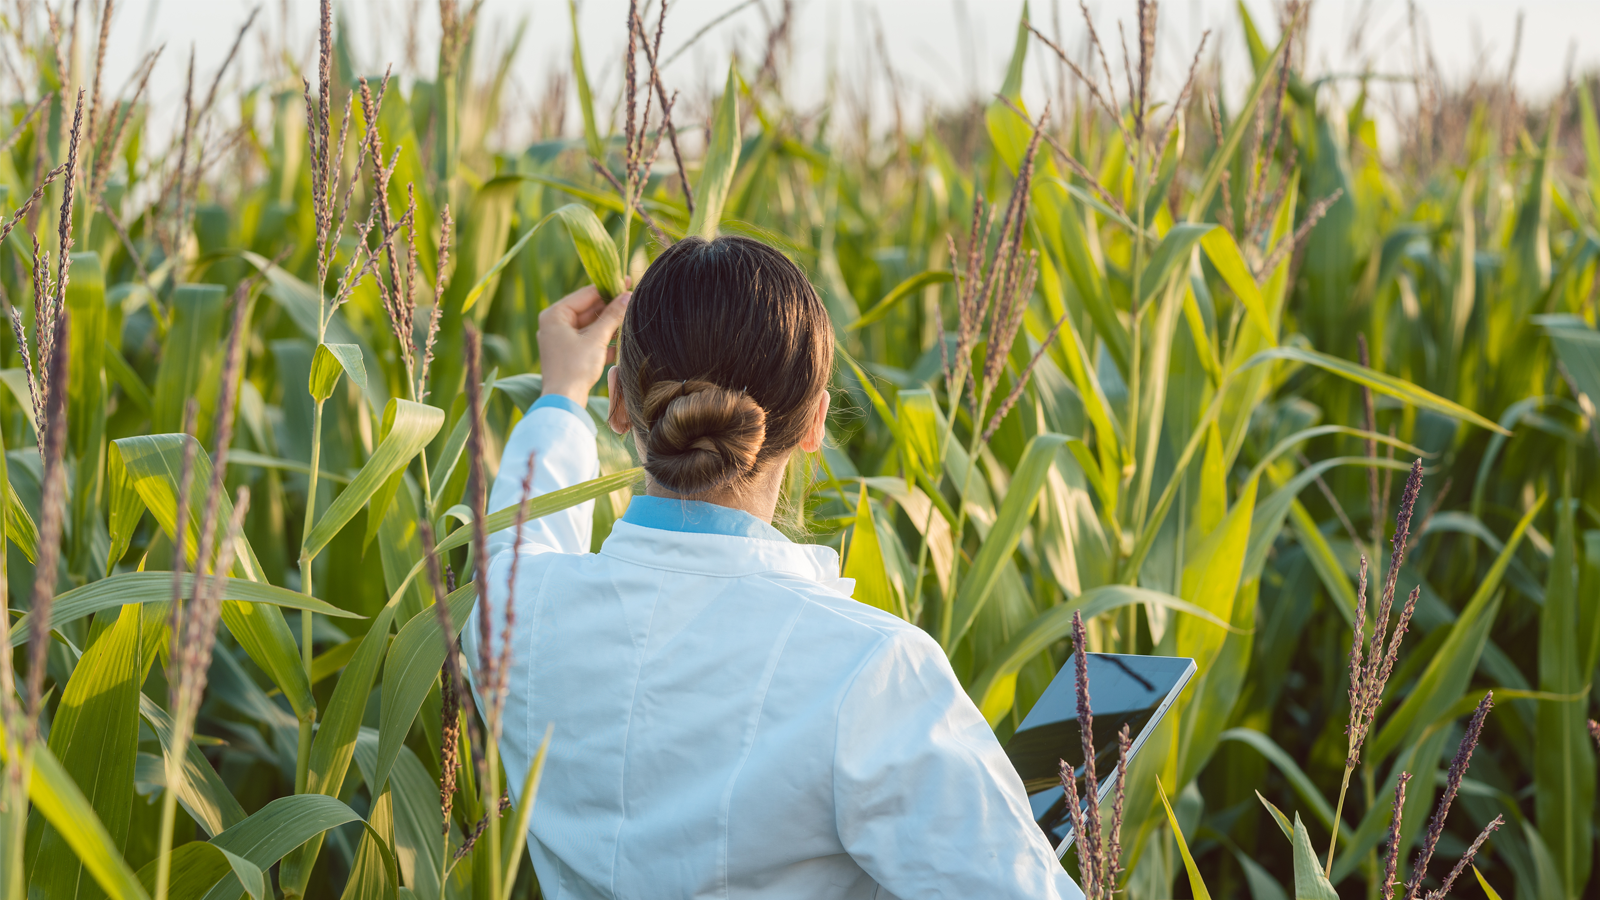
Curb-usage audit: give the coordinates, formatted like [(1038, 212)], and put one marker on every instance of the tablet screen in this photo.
[(1123, 690)]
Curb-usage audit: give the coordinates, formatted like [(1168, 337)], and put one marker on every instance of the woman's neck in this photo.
[(758, 496)]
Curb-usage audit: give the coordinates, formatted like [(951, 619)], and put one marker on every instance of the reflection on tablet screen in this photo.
[(1123, 690)]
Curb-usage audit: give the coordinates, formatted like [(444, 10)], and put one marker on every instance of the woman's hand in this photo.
[(574, 341)]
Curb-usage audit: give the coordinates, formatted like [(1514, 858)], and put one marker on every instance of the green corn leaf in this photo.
[(595, 249), (262, 839), (1171, 257), (20, 529), (95, 735), (1309, 882), (303, 304), (415, 793), (1306, 434), (250, 876), (591, 134), (1223, 252), (670, 216), (1055, 624), (1380, 383), (1546, 875), (410, 672), (237, 457), (1087, 276), (1273, 510), (1105, 488), (519, 829), (335, 743), (1487, 890), (865, 563), (1563, 763), (373, 872), (61, 802), (1450, 669), (126, 507), (1197, 884), (383, 497), (722, 159), (455, 446), (920, 431), (1579, 350), (203, 794), (543, 505), (1216, 695), (1304, 787), (482, 239), (864, 381), (331, 361), (1262, 885), (156, 587), (1465, 293), (1591, 141), (1211, 581), (86, 308), (155, 462), (1278, 817), (1323, 560), (191, 357), (133, 387), (493, 273), (16, 381), (899, 292), (13, 793), (1015, 512), (415, 424)]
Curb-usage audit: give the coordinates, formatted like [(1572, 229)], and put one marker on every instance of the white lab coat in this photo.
[(729, 723)]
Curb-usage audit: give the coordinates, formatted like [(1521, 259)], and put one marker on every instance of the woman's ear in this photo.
[(814, 436), (618, 417)]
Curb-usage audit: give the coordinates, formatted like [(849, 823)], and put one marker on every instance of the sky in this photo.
[(940, 49)]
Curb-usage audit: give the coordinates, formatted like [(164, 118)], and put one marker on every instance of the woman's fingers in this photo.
[(579, 307), (609, 318)]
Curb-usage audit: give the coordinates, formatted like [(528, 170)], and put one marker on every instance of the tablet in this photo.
[(1123, 690)]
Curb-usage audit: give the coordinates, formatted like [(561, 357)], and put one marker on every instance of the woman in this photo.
[(727, 721)]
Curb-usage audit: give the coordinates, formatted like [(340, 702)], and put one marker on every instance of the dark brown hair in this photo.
[(721, 358)]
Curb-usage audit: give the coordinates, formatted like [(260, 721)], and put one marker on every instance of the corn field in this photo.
[(1164, 364)]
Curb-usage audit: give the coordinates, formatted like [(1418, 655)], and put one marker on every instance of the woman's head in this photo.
[(722, 361)]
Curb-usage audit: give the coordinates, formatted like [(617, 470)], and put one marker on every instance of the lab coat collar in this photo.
[(723, 556), (668, 514)]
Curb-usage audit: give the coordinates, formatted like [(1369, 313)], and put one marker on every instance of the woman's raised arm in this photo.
[(556, 437)]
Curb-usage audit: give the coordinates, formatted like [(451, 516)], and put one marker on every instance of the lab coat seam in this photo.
[(627, 731), (534, 620), (724, 811)]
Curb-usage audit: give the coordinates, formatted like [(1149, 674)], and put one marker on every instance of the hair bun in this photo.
[(701, 436)]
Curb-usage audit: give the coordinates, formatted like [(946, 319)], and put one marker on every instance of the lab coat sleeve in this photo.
[(556, 438), (927, 802)]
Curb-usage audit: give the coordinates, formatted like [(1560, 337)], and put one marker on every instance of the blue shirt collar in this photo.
[(697, 517)]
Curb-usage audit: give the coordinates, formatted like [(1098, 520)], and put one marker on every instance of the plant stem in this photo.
[(1338, 812), (303, 753), (1136, 317), (491, 808), (948, 602), (169, 814)]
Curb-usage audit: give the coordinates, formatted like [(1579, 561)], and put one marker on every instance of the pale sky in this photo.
[(924, 38)]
